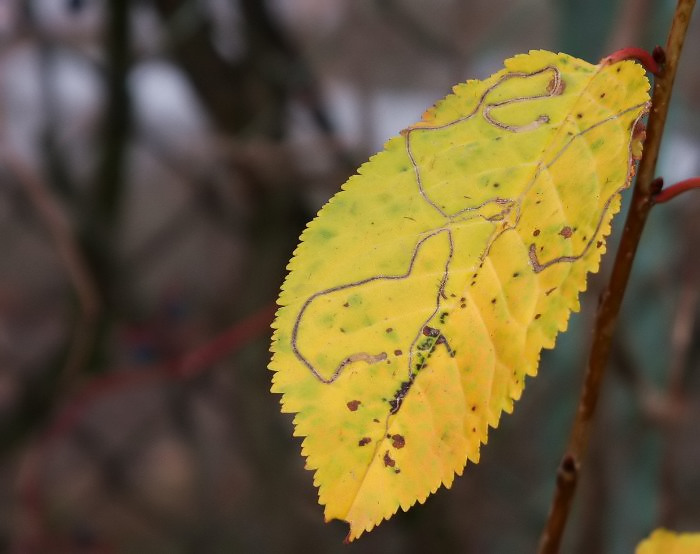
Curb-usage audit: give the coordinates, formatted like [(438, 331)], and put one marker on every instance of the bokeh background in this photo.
[(158, 160)]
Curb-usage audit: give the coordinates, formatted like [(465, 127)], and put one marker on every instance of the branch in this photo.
[(653, 63), (70, 254), (666, 194), (71, 413), (609, 308)]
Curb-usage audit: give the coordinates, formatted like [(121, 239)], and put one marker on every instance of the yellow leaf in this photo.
[(662, 541), (420, 297)]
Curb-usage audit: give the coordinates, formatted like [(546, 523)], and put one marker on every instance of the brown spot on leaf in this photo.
[(536, 233), (346, 305), (353, 405), (363, 441), (599, 243), (389, 329), (537, 316), (388, 461), (566, 232), (550, 291), (398, 441), (397, 352)]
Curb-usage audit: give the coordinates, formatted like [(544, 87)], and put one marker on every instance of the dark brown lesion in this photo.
[(353, 405), (388, 460), (399, 395)]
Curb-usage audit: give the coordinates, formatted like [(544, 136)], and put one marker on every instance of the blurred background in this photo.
[(158, 160)]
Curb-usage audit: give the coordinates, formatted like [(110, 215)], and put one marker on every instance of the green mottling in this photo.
[(283, 342), (327, 320), (355, 300), (326, 234), (597, 144)]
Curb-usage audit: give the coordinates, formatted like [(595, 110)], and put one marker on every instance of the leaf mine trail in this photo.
[(421, 296)]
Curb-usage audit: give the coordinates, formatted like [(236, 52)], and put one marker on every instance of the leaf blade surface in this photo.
[(422, 294)]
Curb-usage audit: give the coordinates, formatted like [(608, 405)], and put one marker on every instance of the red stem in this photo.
[(187, 366), (651, 63), (668, 193)]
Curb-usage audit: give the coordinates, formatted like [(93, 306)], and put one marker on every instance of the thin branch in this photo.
[(68, 416), (608, 310), (57, 223), (668, 193), (648, 61)]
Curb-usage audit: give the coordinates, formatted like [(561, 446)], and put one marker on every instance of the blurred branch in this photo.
[(91, 258), (101, 211), (70, 254), (681, 341), (416, 31), (68, 363), (227, 89), (631, 22), (250, 93), (188, 366), (58, 174), (73, 410), (117, 122), (611, 300)]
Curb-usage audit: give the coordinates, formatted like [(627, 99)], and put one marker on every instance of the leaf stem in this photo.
[(668, 193), (649, 61), (611, 299)]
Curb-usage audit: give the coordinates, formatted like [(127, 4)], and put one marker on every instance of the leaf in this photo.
[(420, 297), (662, 541)]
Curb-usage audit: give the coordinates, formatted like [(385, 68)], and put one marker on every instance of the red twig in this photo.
[(187, 366), (651, 62), (668, 193)]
